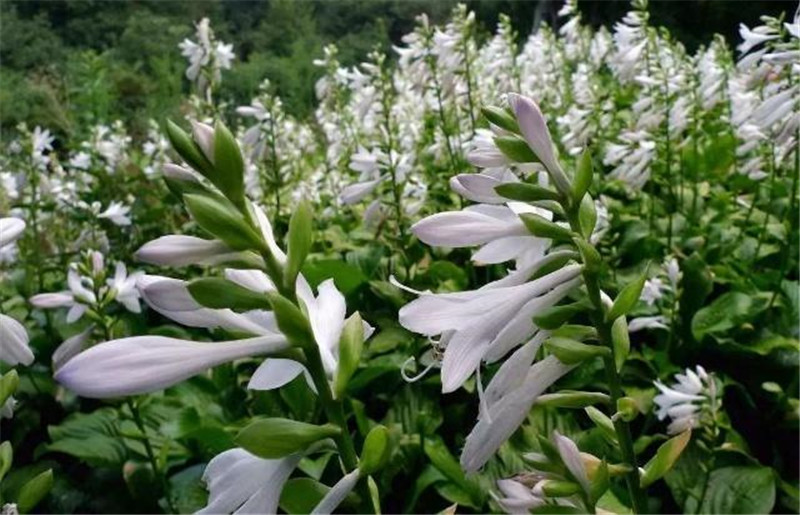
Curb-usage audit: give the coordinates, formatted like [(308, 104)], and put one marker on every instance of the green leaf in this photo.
[(351, 344), (516, 149), (727, 311), (223, 221), (219, 293), (589, 255), (376, 451), (571, 352), (291, 321), (554, 317), (34, 491), (188, 149), (228, 165), (273, 438), (576, 332), (91, 437), (583, 178), (587, 216), (621, 341), (347, 277), (301, 495), (666, 456), (501, 118), (544, 228), (600, 482), (300, 238), (627, 298), (8, 385), (740, 490), (440, 457), (559, 488), (525, 192)]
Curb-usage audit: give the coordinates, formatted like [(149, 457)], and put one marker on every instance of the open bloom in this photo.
[(692, 395), (494, 318), (78, 298), (240, 482)]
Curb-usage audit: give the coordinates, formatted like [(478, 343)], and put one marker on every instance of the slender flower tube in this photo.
[(336, 495), (143, 364), (179, 250), (507, 414)]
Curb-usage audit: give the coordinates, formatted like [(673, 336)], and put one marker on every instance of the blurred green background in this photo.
[(66, 63)]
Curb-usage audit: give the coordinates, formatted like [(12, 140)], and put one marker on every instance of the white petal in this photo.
[(465, 228), (10, 230), (571, 456), (71, 347), (52, 300), (204, 137), (14, 342), (506, 416), (358, 191), (336, 495), (178, 250), (276, 372), (477, 187), (269, 236), (143, 364), (253, 280)]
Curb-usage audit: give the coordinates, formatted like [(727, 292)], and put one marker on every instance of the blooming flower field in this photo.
[(554, 272)]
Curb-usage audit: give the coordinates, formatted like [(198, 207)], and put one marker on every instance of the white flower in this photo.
[(179, 250), (651, 322), (491, 319), (14, 342), (71, 347), (239, 482), (693, 394), (518, 498), (755, 37), (78, 298), (81, 161), (123, 287), (509, 402), (143, 364), (337, 493), (10, 230), (652, 291), (117, 213)]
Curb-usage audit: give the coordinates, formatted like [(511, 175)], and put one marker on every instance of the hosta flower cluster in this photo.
[(491, 272)]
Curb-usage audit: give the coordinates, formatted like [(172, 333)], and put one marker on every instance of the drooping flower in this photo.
[(14, 342)]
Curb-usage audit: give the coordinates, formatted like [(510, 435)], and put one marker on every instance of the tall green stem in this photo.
[(590, 279)]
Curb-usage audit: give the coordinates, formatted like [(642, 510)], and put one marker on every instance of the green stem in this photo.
[(590, 278), (151, 457)]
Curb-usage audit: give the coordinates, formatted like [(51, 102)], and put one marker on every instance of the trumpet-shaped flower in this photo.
[(481, 320), (240, 482)]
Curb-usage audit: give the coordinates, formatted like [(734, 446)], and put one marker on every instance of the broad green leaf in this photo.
[(273, 438), (740, 490), (727, 311), (219, 293), (91, 437)]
